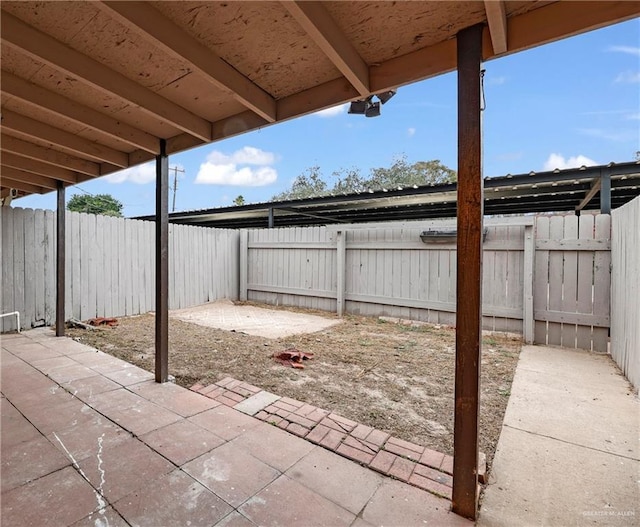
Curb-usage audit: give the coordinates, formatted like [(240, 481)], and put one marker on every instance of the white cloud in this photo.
[(333, 111), (141, 174), (630, 50), (628, 77), (411, 132), (247, 155), (558, 161), (227, 169)]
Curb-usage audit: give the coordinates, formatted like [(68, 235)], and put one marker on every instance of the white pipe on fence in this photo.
[(16, 313)]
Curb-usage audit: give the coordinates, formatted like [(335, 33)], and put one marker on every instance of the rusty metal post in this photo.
[(469, 278), (60, 260), (162, 264)]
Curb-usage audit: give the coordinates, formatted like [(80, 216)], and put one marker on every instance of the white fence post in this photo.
[(244, 267), (527, 299), (340, 267)]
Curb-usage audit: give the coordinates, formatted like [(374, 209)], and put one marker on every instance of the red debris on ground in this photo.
[(292, 357), (102, 321)]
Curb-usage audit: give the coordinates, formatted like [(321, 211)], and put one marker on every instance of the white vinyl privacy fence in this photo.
[(625, 290), (546, 277), (110, 266)]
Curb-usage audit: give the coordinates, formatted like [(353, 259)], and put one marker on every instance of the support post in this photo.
[(527, 296), (244, 263), (271, 218), (162, 264), (340, 263), (469, 274), (605, 192), (60, 260)]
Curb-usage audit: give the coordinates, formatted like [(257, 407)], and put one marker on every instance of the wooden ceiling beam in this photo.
[(61, 106), (142, 17), (323, 30), (14, 174), (38, 167), (48, 155), (497, 21), (44, 48), (78, 145), (10, 179), (539, 26)]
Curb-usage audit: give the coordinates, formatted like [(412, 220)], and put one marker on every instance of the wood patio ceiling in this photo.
[(89, 88)]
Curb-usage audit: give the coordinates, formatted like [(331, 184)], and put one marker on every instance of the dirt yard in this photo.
[(394, 377)]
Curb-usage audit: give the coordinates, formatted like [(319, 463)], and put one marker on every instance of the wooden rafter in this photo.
[(64, 107), (317, 22), (85, 148), (38, 167), (48, 155), (12, 173), (140, 16), (497, 20), (12, 178), (44, 48)]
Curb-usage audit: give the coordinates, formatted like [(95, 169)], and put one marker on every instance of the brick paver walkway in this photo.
[(375, 449), (90, 440)]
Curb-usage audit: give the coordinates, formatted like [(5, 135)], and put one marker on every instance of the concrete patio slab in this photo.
[(568, 452), (261, 322), (93, 451)]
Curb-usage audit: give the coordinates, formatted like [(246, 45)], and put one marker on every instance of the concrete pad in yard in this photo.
[(575, 396), (269, 323), (541, 481)]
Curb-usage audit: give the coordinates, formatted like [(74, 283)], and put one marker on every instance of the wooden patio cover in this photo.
[(89, 88)]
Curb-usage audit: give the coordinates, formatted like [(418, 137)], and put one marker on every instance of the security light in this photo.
[(373, 110), (358, 107), (369, 108), (385, 96)]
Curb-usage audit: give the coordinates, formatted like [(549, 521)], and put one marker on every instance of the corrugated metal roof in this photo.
[(553, 191)]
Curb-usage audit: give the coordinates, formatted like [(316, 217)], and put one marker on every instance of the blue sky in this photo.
[(565, 104)]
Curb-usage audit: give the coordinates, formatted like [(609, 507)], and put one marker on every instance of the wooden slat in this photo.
[(8, 270), (554, 330), (574, 245), (570, 319), (11, 176), (497, 20), (569, 282), (584, 271), (602, 283)]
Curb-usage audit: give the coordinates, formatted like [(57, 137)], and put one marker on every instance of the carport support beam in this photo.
[(469, 274), (60, 260), (162, 264), (605, 192)]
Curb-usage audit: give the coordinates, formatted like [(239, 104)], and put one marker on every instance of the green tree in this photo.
[(401, 173), (239, 200), (104, 204), (309, 184)]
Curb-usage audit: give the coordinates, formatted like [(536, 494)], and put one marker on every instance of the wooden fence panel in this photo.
[(625, 290), (110, 266), (572, 260)]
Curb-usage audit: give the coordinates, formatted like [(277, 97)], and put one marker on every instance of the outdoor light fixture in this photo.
[(369, 108), (373, 110)]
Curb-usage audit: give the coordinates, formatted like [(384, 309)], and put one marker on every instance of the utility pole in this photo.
[(175, 185)]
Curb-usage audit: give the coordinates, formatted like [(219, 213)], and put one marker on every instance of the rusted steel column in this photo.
[(162, 264), (60, 261), (469, 279)]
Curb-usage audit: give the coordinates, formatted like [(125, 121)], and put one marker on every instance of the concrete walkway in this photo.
[(90, 440), (569, 449)]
